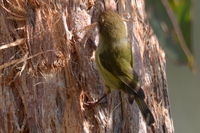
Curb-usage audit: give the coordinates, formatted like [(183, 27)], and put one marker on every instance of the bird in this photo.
[(114, 61)]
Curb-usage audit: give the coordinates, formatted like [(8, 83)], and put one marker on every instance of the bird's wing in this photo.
[(121, 69), (130, 47), (120, 66)]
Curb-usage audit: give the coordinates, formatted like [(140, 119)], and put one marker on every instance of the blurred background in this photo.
[(184, 86)]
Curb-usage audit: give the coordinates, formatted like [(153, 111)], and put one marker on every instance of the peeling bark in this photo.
[(46, 78)]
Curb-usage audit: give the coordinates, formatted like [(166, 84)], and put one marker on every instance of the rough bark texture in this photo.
[(48, 70)]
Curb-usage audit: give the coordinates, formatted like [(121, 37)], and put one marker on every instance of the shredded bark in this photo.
[(48, 70)]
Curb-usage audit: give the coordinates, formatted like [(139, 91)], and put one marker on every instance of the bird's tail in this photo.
[(139, 97), (148, 116)]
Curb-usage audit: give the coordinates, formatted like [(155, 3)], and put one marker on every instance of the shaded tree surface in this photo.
[(48, 70)]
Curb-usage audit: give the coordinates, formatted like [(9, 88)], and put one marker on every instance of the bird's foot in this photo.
[(86, 103), (91, 103)]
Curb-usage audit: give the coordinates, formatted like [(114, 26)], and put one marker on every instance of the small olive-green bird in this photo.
[(114, 60)]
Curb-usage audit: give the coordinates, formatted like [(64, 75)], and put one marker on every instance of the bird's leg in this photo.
[(93, 103), (89, 103)]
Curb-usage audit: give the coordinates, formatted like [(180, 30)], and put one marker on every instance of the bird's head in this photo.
[(111, 26)]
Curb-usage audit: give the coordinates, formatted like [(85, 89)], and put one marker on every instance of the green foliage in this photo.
[(171, 30), (182, 10)]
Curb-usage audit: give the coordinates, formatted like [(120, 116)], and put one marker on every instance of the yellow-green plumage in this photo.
[(115, 62)]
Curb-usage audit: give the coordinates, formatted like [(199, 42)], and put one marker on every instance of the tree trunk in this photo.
[(48, 70)]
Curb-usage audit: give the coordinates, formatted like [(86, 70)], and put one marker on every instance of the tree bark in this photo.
[(48, 70)]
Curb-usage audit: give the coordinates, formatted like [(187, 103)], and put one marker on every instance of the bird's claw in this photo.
[(91, 103)]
